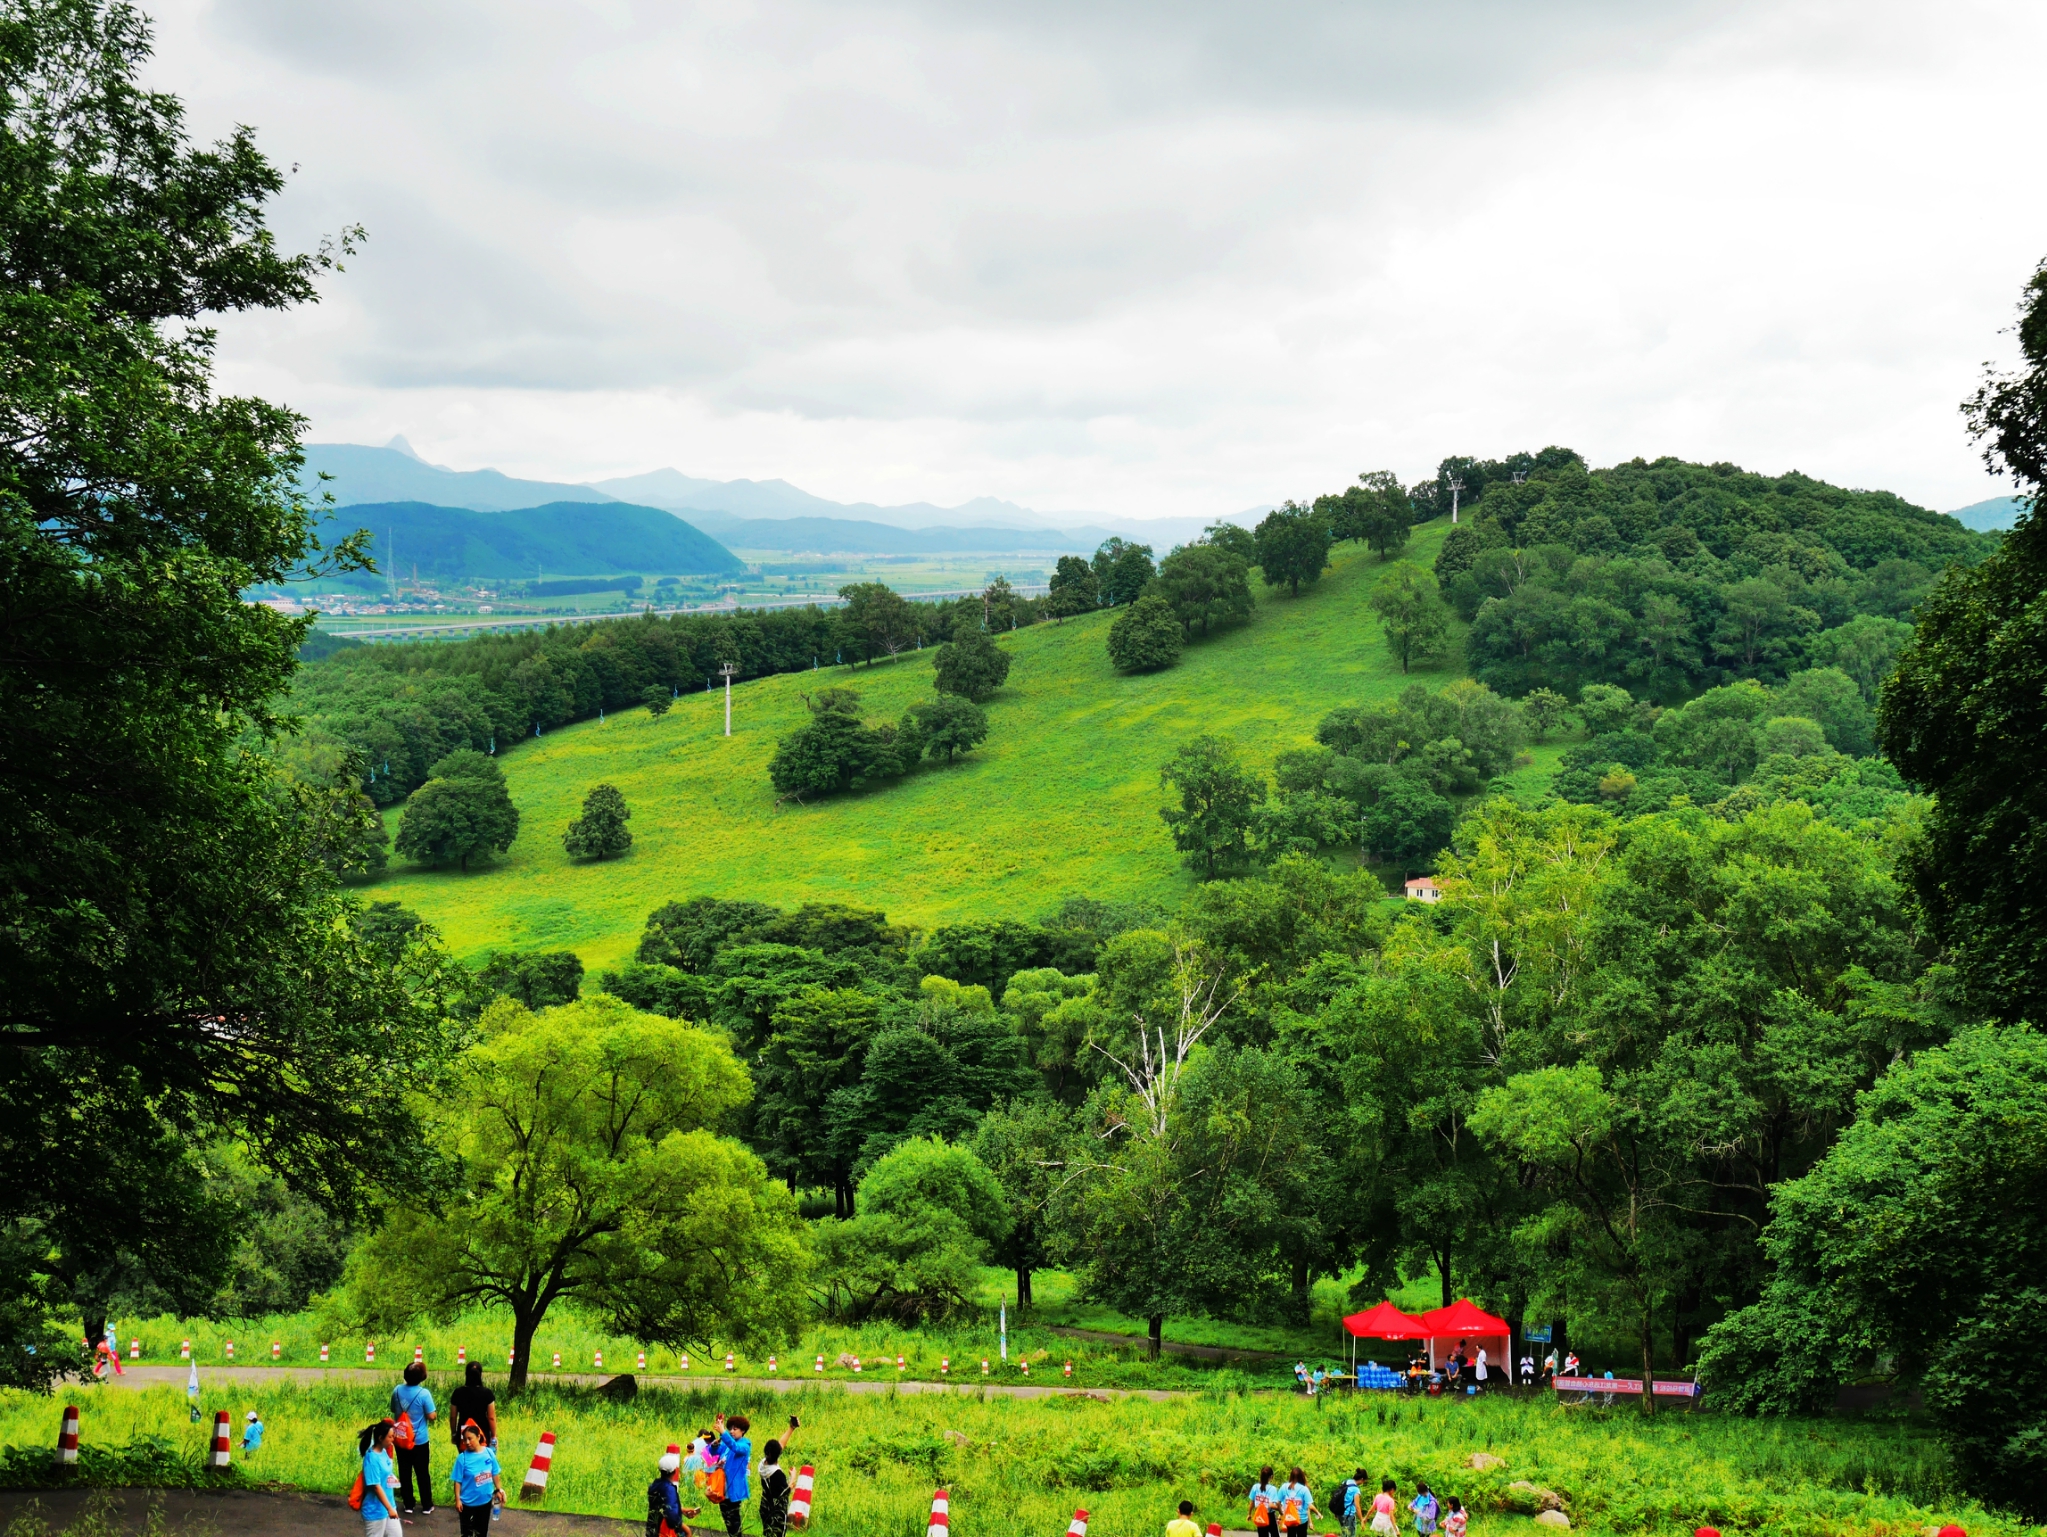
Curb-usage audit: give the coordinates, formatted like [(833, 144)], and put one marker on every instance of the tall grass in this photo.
[(1023, 1466)]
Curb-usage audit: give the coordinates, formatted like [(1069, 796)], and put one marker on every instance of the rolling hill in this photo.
[(559, 539), (2000, 512), (1063, 798)]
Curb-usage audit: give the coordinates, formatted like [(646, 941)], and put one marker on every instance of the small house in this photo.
[(1423, 888)]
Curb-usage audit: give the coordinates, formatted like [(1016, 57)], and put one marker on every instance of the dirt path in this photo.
[(154, 1376), (269, 1513)]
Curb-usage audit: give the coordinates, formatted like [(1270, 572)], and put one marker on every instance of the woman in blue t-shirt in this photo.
[(379, 1483), (478, 1483)]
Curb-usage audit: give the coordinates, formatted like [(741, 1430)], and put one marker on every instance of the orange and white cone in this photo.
[(536, 1475), (771, 1363), (276, 1351), (1215, 1529), (67, 1436), (557, 1360), (419, 1355), (729, 1366), (1069, 1370), (945, 1366), (1024, 1365), (856, 1366), (230, 1350), (185, 1351), (511, 1356), (642, 1362), (221, 1453), (899, 1363), (941, 1515), (323, 1355), (369, 1354), (984, 1368), (799, 1498), (461, 1355), (685, 1360), (820, 1360), (599, 1361), (1077, 1527), (134, 1350)]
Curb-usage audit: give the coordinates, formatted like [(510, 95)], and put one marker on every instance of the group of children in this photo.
[(1285, 1510), (719, 1464)]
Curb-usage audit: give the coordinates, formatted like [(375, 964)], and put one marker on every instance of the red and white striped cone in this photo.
[(536, 1475), (557, 1360), (276, 1351), (511, 1355), (856, 1366), (1069, 1370), (945, 1366), (729, 1365), (369, 1354), (799, 1497), (185, 1351), (685, 1360), (419, 1355), (323, 1355), (941, 1515), (984, 1368), (771, 1363), (1023, 1364), (641, 1362), (461, 1355), (820, 1360), (222, 1455), (597, 1361), (230, 1350), (67, 1436), (1077, 1527), (134, 1350), (1215, 1529), (899, 1363)]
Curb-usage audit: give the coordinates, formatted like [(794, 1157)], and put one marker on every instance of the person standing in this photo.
[(1454, 1523), (1424, 1507), (411, 1400), (1527, 1369), (1347, 1501), (1264, 1499), (252, 1433), (1384, 1522), (479, 1485), (1296, 1504), (664, 1498), (379, 1483), (774, 1482), (1183, 1525), (736, 1455), (473, 1403), (1480, 1368)]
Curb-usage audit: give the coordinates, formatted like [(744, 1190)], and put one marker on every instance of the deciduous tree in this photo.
[(1293, 547), (972, 666), (1413, 613), (1146, 636), (1218, 801), (600, 832)]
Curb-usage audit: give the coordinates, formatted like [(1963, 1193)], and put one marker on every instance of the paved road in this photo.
[(1171, 1347), (267, 1513), (152, 1376)]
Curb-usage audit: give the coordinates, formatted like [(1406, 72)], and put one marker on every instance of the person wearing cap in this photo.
[(479, 1482), (252, 1432), (1183, 1524), (664, 1502)]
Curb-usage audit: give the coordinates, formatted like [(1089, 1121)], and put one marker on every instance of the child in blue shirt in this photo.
[(379, 1483), (479, 1483), (252, 1433), (1424, 1507)]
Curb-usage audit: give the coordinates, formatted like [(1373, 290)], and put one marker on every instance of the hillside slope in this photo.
[(560, 539), (1063, 799)]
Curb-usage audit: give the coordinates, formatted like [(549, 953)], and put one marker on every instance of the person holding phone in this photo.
[(775, 1484)]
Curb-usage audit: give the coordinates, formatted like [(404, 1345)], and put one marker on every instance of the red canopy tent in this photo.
[(1384, 1322), (1465, 1321)]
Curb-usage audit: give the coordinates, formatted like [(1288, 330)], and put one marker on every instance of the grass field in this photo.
[(1023, 1466), (1063, 798)]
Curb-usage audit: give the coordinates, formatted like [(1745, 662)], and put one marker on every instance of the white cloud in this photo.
[(1147, 258)]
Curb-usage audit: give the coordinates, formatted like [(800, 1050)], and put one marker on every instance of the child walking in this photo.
[(1424, 1507), (1453, 1524), (1383, 1521)]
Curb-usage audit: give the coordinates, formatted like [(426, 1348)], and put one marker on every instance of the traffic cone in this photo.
[(945, 1366), (511, 1355), (1077, 1527), (642, 1366), (984, 1368), (685, 1360), (419, 1355), (820, 1360), (67, 1436), (134, 1350), (230, 1350), (536, 1475), (1024, 1366), (1215, 1529), (461, 1355), (557, 1360), (1069, 1370), (941, 1515), (599, 1361), (276, 1351), (856, 1366), (771, 1363), (221, 1454), (323, 1355), (369, 1353), (899, 1363), (728, 1362), (185, 1351), (799, 1498)]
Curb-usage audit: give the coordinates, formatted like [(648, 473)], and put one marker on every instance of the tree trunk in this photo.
[(1443, 1273), (1648, 1361), (525, 1325), (1302, 1283), (1023, 1288), (1156, 1342), (95, 1322)]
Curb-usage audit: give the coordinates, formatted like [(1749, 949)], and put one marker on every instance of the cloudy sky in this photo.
[(1143, 256)]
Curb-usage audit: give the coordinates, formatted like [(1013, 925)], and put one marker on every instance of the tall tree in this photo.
[(590, 1173), (1146, 636), (1122, 569), (1966, 710), (1205, 585), (1074, 589), (1292, 543), (178, 962), (1218, 801), (1413, 613), (972, 666), (463, 812), (880, 617), (600, 832)]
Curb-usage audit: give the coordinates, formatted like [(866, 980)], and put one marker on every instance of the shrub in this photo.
[(1145, 637)]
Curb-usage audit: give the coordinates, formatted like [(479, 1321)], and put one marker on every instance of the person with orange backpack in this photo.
[(376, 1487), (1264, 1499), (730, 1483), (412, 1414), (664, 1503)]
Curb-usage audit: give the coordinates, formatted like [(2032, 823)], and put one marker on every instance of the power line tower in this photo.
[(726, 672), (1456, 486)]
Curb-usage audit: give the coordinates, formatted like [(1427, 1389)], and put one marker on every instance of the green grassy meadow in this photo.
[(1062, 800), (1024, 1466)]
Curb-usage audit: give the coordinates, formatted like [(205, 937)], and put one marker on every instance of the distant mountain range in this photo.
[(557, 539), (752, 514), (1997, 513)]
